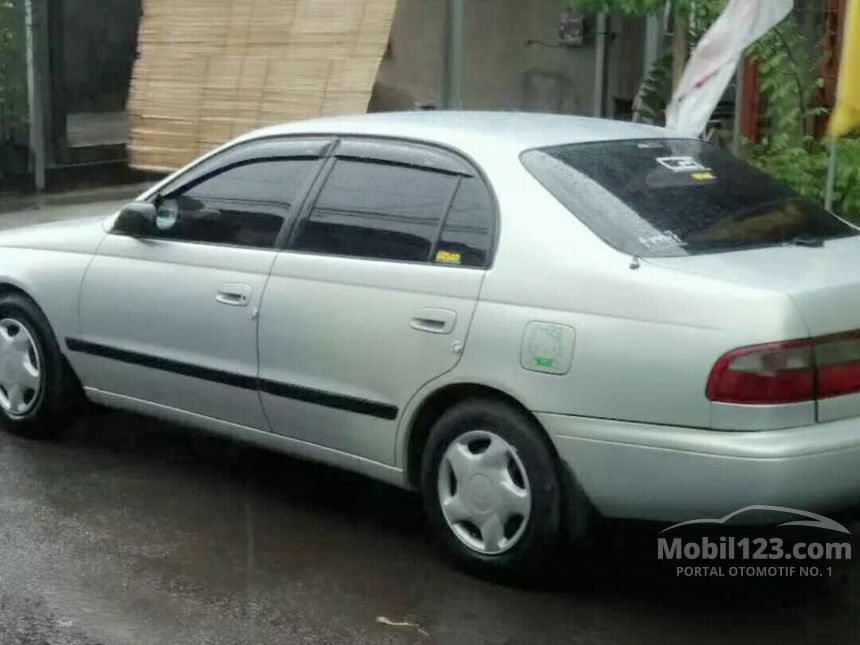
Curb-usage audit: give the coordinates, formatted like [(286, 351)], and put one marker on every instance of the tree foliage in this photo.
[(788, 67), (804, 168), (626, 7), (790, 80), (638, 7)]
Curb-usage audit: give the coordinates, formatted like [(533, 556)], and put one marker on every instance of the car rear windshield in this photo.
[(677, 197)]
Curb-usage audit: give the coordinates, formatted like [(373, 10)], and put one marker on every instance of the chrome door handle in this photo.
[(434, 321), (235, 295)]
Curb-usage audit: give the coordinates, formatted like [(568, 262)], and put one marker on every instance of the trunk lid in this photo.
[(823, 282)]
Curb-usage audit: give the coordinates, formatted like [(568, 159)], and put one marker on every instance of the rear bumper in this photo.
[(668, 473)]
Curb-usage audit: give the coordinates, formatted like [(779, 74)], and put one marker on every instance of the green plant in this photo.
[(789, 82), (847, 190), (627, 7), (13, 93), (655, 92), (804, 168), (643, 7)]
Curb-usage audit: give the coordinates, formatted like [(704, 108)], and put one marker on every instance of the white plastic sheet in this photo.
[(715, 59)]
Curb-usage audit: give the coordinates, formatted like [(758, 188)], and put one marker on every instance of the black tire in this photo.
[(539, 545), (59, 398)]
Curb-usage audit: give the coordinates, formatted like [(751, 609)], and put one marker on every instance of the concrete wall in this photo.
[(99, 49), (625, 61), (413, 69), (501, 70)]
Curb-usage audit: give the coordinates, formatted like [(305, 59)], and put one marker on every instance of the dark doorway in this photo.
[(92, 55)]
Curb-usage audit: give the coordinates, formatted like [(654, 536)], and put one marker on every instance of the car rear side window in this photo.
[(677, 197), (377, 210), (245, 205), (467, 235)]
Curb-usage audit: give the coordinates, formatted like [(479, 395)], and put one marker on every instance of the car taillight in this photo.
[(838, 361), (772, 373), (786, 372)]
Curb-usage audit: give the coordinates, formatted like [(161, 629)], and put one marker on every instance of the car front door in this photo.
[(375, 294), (170, 317)]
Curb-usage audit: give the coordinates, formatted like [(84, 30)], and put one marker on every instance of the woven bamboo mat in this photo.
[(209, 70)]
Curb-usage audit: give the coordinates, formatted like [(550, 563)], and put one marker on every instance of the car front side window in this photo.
[(243, 205)]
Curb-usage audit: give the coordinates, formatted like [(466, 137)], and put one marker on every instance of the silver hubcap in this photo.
[(20, 371), (484, 492)]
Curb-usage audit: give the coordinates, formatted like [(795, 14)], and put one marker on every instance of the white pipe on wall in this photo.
[(34, 21), (454, 55), (600, 64)]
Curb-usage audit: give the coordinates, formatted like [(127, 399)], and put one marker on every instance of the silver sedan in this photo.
[(532, 319)]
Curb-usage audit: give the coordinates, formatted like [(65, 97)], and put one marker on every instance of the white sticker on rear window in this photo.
[(681, 164), (661, 241)]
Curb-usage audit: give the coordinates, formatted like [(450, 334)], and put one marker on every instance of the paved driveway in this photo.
[(131, 531)]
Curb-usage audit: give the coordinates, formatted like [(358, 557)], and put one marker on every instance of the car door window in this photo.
[(245, 205), (378, 210), (467, 235)]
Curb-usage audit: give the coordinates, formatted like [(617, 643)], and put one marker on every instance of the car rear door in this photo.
[(170, 317), (375, 294)]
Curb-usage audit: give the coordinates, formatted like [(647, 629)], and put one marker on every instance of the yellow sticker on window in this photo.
[(702, 176), (448, 257)]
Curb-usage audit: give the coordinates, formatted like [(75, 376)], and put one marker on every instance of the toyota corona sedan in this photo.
[(534, 320)]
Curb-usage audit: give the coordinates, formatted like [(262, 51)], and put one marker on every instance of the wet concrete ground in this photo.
[(131, 531)]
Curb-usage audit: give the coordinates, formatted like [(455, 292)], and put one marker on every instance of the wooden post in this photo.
[(750, 108)]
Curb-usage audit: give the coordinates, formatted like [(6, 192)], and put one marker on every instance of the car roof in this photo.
[(472, 130)]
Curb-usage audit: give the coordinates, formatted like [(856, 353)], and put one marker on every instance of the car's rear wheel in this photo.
[(39, 395), (492, 491)]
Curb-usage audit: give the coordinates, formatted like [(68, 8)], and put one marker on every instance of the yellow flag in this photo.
[(846, 114)]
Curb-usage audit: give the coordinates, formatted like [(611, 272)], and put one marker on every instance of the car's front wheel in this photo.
[(492, 490), (38, 393)]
